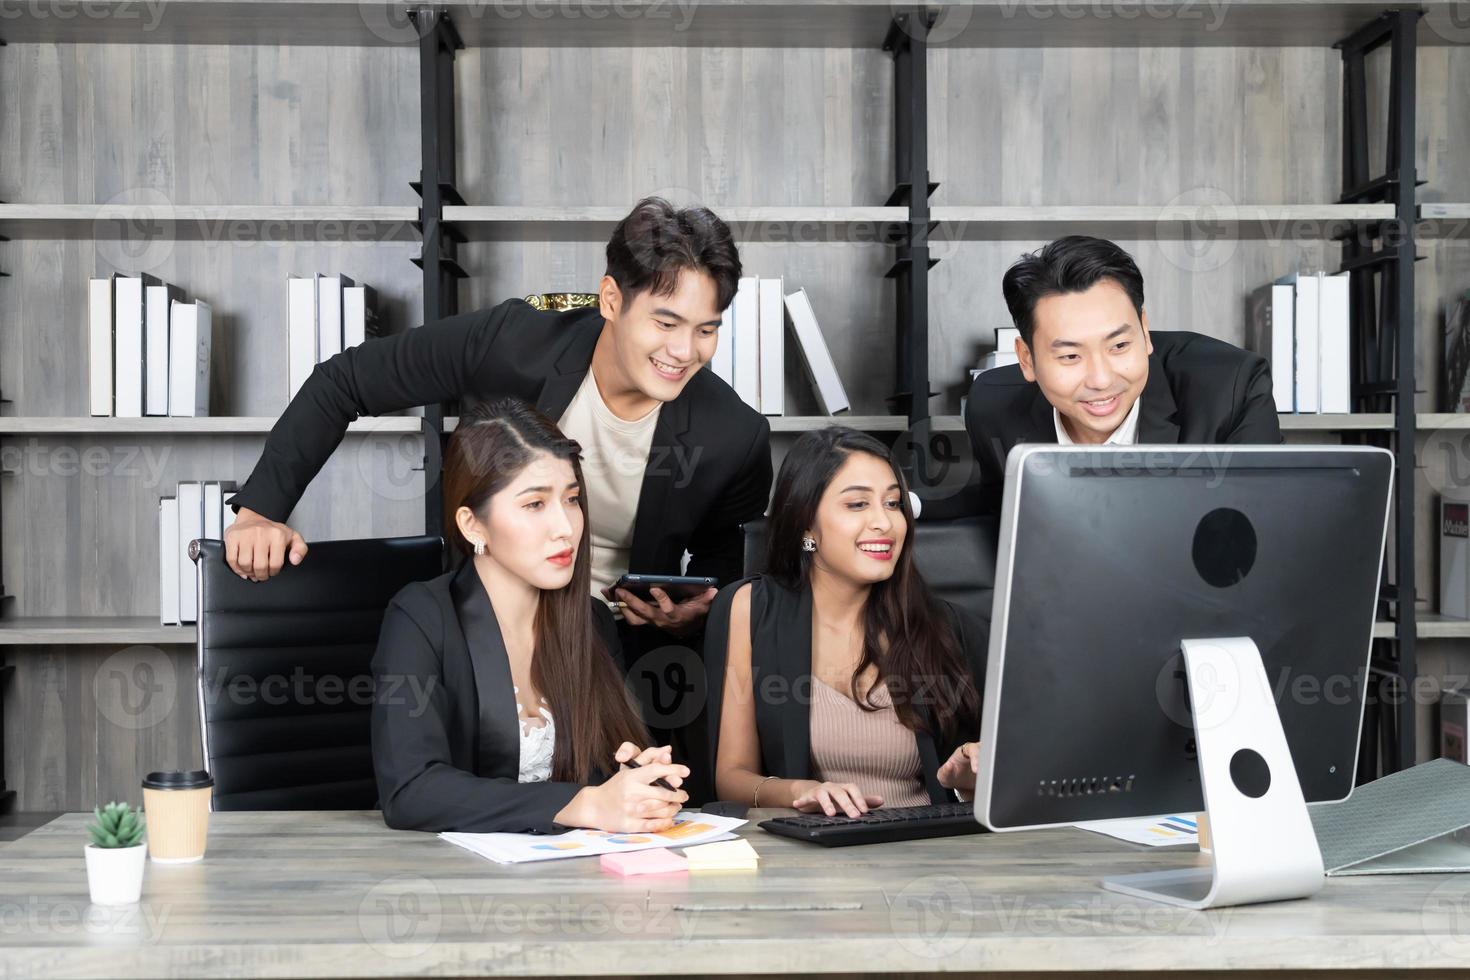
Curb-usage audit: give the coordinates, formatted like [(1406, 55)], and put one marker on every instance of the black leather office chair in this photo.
[(285, 684), (956, 557)]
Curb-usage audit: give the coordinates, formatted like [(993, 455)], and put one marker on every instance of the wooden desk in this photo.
[(337, 894)]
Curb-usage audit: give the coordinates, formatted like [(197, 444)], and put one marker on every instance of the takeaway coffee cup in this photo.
[(176, 809)]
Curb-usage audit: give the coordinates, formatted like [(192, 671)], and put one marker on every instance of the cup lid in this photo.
[(178, 779)]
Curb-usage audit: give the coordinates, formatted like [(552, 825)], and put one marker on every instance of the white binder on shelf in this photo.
[(815, 354), (158, 310), (746, 352), (1334, 340), (99, 346), (301, 341), (191, 527), (772, 347), (168, 561)]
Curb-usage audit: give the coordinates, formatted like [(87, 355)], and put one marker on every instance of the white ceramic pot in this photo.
[(115, 874)]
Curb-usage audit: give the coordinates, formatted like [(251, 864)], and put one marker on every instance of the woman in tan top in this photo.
[(847, 683)]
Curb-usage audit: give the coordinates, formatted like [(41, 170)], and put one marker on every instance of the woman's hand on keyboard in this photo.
[(831, 797)]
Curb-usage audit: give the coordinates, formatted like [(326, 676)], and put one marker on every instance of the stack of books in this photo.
[(328, 314), (1302, 324), (148, 350), (197, 510), (751, 357)]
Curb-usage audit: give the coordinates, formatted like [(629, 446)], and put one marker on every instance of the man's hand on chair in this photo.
[(257, 547)]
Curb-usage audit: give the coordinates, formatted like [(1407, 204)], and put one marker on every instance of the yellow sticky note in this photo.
[(725, 855)]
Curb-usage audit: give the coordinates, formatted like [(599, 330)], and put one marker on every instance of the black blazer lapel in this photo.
[(1156, 425), (572, 366), (1041, 422), (667, 460), (498, 736)]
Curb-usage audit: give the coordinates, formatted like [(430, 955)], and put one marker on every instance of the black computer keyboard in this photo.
[(878, 826)]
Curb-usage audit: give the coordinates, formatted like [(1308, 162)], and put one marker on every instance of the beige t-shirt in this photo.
[(614, 456)]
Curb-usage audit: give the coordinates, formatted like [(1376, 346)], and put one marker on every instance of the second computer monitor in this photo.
[(1109, 558)]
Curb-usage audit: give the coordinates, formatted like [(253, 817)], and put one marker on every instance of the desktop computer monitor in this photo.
[(1110, 558)]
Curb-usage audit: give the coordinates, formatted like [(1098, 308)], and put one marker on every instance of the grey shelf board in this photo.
[(1443, 220), (732, 23), (1429, 626), (99, 630), (804, 423), (1441, 209), (864, 423), (213, 222), (214, 425), (773, 225), (1268, 222)]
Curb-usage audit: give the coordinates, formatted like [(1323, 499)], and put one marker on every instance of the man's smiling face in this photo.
[(1089, 355)]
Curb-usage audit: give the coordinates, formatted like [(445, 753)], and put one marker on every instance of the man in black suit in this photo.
[(673, 459), (1092, 373)]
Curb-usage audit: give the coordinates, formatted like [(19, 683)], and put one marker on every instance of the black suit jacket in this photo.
[(781, 679), (709, 468), (1200, 391), (446, 739)]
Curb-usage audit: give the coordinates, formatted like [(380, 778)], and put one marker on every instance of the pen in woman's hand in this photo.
[(664, 783)]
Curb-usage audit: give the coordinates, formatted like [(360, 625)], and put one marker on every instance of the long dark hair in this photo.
[(907, 634), (570, 666)]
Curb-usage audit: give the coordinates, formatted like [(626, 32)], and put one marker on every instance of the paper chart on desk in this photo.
[(1179, 828), (689, 828)]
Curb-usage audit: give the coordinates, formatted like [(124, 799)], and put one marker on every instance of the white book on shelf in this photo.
[(191, 527), (1304, 318), (1270, 332), (228, 516), (815, 354), (1334, 343), (168, 561), (191, 341), (359, 315), (746, 352), (1005, 339), (128, 345), (214, 507), (329, 315), (772, 346), (158, 303), (724, 360), (99, 346), (301, 340)]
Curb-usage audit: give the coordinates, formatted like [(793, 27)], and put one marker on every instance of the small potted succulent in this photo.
[(116, 856)]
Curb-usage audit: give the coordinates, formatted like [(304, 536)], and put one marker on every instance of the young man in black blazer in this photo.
[(674, 459), (1092, 373)]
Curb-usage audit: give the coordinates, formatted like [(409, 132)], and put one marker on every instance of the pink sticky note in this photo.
[(656, 861)]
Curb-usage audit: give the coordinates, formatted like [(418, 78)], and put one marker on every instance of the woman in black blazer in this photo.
[(499, 703), (843, 673)]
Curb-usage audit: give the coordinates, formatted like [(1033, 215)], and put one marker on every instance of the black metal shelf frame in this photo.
[(1380, 263)]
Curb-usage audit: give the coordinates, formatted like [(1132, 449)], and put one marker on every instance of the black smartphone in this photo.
[(678, 587)]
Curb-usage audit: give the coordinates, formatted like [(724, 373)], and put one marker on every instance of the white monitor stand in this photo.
[(1263, 847)]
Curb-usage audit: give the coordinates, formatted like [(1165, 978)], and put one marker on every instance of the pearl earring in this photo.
[(479, 547), (808, 543)]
